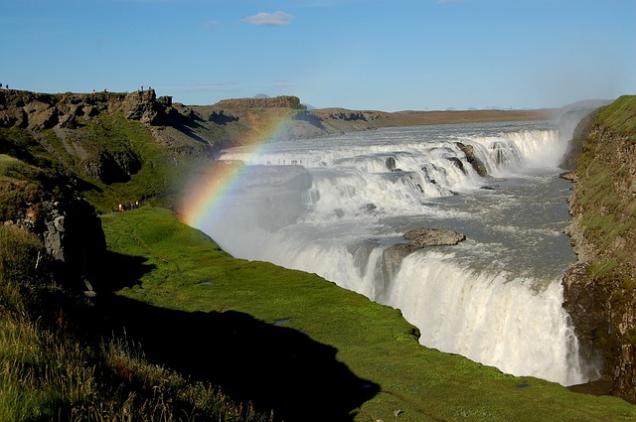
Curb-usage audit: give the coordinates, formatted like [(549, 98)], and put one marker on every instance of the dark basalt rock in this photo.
[(587, 303), (499, 148), (144, 106), (39, 112), (420, 238), (113, 167), (283, 101), (477, 164), (457, 163), (220, 118), (393, 256), (390, 163), (348, 116), (71, 234)]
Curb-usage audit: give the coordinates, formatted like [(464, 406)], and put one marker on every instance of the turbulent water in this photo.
[(333, 205)]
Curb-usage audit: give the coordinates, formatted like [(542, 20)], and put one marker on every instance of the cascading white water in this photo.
[(340, 202), (477, 307)]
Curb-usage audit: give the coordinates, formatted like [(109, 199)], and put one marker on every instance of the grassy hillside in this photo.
[(50, 369), (604, 198), (61, 358), (389, 370), (114, 134), (600, 291), (620, 117), (102, 147)]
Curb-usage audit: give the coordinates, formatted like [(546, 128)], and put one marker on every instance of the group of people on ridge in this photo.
[(127, 207)]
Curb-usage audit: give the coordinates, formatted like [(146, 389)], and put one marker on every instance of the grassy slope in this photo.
[(620, 116), (106, 133), (114, 133), (49, 371), (46, 375), (602, 199), (372, 340)]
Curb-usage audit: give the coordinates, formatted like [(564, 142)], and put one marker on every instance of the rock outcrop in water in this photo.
[(472, 159), (420, 238), (457, 163), (417, 239), (600, 290)]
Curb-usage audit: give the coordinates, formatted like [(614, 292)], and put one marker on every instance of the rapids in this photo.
[(333, 205)]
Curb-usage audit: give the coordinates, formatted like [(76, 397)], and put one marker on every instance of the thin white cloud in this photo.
[(270, 19)]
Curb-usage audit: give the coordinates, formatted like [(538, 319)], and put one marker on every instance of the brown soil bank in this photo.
[(600, 290)]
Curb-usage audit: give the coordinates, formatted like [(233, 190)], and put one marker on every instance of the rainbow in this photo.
[(207, 195)]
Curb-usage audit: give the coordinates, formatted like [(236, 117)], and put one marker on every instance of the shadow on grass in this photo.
[(122, 271), (273, 367)]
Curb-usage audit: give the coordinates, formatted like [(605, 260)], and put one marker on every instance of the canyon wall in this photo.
[(600, 290)]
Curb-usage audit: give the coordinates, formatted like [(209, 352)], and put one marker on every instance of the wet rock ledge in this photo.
[(417, 239)]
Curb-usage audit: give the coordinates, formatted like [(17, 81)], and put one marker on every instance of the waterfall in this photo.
[(496, 300)]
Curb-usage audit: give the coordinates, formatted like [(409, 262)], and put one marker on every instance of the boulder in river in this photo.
[(390, 163), (417, 239), (477, 164), (420, 238)]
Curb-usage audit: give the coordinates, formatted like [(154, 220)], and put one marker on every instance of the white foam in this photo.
[(488, 318), (350, 184)]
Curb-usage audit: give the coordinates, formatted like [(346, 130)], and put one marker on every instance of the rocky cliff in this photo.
[(283, 101), (37, 111), (46, 203), (104, 139), (600, 290)]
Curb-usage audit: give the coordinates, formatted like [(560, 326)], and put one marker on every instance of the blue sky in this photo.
[(379, 54)]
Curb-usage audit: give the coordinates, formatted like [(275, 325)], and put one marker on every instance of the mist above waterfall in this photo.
[(334, 205)]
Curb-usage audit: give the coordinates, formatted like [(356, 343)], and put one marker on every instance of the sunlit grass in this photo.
[(373, 340)]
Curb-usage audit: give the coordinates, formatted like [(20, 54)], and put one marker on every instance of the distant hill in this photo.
[(263, 101), (240, 117), (190, 130)]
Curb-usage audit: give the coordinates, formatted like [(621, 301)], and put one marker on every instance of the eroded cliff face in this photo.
[(46, 204), (600, 290), (36, 111)]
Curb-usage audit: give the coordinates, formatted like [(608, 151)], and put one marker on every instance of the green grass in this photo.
[(620, 116), (111, 133), (49, 376), (46, 373), (602, 197), (374, 341)]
